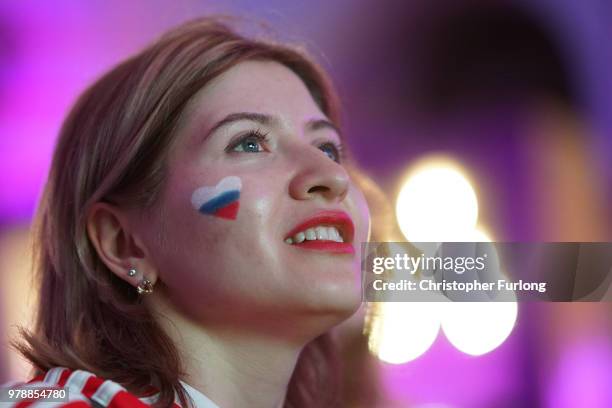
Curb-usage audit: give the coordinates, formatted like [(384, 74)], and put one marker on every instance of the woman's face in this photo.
[(255, 159)]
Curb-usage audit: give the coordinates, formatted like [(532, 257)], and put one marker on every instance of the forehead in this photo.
[(255, 86)]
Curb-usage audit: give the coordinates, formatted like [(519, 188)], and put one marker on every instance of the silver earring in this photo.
[(132, 272), (145, 286)]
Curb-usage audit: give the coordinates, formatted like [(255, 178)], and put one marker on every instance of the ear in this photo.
[(118, 245)]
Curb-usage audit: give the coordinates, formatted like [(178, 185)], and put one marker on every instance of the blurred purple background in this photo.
[(519, 92)]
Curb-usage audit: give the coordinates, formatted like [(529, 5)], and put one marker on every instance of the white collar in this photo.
[(200, 400)]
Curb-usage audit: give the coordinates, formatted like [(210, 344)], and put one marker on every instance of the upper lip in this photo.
[(334, 218)]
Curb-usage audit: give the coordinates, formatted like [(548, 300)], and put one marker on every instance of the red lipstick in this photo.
[(332, 218)]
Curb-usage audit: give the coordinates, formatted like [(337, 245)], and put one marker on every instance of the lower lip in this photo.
[(328, 246)]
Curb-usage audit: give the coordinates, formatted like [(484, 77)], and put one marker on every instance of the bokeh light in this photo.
[(477, 328), (404, 330), (436, 203)]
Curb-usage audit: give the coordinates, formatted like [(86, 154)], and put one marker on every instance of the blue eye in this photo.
[(332, 151), (251, 142)]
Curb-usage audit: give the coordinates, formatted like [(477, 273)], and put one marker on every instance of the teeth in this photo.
[(333, 234), (318, 233), (311, 235), (321, 233)]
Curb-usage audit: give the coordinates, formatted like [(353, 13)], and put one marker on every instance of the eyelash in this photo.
[(257, 134), (263, 139), (339, 147)]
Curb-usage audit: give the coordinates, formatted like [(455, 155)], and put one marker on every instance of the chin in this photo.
[(324, 320), (333, 304), (338, 292)]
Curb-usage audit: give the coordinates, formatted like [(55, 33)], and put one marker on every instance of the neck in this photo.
[(233, 368)]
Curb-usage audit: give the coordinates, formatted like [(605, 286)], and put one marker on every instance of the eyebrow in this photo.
[(263, 119), (317, 124)]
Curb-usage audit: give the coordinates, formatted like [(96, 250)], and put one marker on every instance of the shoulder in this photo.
[(82, 389)]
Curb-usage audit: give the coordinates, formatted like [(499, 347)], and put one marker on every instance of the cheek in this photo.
[(221, 200), (220, 228), (198, 220), (216, 261)]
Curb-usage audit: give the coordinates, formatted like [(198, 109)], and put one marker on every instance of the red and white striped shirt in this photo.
[(84, 389)]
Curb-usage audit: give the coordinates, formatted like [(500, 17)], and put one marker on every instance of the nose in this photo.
[(318, 177)]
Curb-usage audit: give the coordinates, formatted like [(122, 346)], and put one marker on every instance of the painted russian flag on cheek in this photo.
[(221, 200)]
